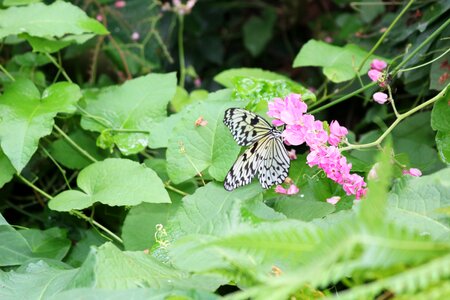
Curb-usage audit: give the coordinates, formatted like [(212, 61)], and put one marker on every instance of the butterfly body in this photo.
[(266, 157)]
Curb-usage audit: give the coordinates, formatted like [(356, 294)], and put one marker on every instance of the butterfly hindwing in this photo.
[(266, 155), (245, 126), (274, 167)]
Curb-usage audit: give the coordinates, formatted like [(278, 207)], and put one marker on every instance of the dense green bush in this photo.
[(113, 150)]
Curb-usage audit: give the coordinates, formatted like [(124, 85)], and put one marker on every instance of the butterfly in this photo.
[(266, 155)]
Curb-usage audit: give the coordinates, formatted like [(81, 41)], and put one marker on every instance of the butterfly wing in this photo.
[(246, 166), (274, 167), (245, 126)]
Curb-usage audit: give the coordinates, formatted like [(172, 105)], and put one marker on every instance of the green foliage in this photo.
[(25, 122), (131, 184), (119, 160), (339, 63)]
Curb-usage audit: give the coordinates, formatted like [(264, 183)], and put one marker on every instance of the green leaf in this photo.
[(302, 209), (49, 46), (139, 227), (113, 182), (256, 84), (136, 293), (110, 268), (212, 209), (339, 63), (80, 251), (36, 281), (439, 115), (70, 157), (423, 195), (443, 146), (19, 2), (439, 73), (31, 59), (258, 31), (193, 149), (7, 170), (129, 122), (50, 243), (162, 130), (60, 19), (14, 248), (26, 116)]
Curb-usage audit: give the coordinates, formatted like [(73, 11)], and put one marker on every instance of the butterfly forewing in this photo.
[(266, 155), (246, 127)]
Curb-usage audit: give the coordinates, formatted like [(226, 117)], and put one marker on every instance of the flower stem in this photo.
[(399, 118), (392, 102), (381, 39), (181, 50), (424, 64)]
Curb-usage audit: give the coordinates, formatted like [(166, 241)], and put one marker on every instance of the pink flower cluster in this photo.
[(303, 128), (377, 74)]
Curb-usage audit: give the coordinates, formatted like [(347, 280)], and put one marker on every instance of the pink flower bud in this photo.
[(292, 154), (197, 82), (334, 200), (379, 65), (413, 172), (293, 189), (135, 36), (120, 4), (374, 75), (380, 97), (280, 190), (99, 17), (373, 175)]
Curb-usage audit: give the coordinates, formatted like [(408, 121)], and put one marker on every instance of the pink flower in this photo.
[(328, 39), (197, 82), (337, 132), (375, 75), (292, 154), (99, 17), (334, 200), (288, 110), (293, 189), (413, 172), (201, 122), (380, 97), (135, 36), (120, 4), (379, 65), (373, 173)]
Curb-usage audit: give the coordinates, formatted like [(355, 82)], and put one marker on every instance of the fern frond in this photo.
[(407, 282)]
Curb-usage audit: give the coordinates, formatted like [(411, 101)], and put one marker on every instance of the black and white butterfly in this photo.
[(266, 155)]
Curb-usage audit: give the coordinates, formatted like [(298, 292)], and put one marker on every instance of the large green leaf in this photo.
[(193, 149), (60, 23), (34, 281), (339, 63), (113, 181), (212, 209), (6, 169), (423, 195), (110, 268), (50, 243), (26, 116), (439, 116), (126, 114), (14, 248)]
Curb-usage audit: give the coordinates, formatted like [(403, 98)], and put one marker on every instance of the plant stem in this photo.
[(60, 68), (90, 220), (181, 50), (424, 64), (74, 212), (30, 184), (168, 186), (392, 101), (381, 39), (75, 145), (7, 73), (414, 52), (399, 118), (339, 100)]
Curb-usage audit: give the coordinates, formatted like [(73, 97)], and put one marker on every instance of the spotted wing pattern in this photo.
[(266, 155), (245, 126)]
